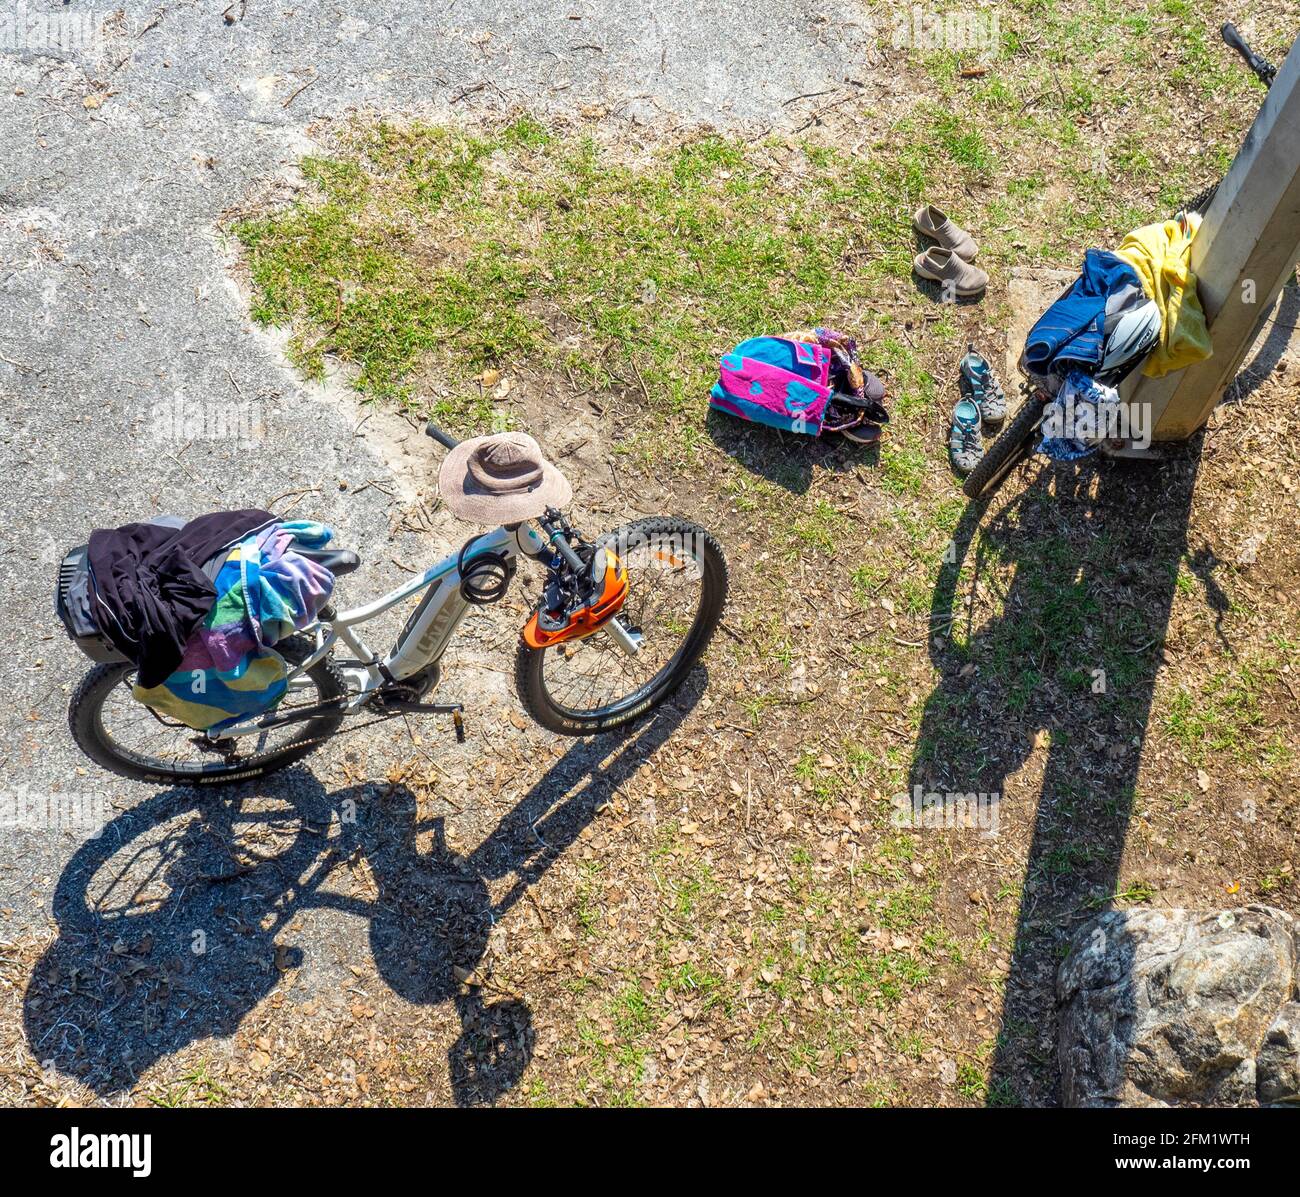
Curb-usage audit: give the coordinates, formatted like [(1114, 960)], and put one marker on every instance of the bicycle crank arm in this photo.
[(454, 709)]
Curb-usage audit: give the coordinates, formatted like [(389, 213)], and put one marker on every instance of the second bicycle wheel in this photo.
[(1013, 444), (677, 586)]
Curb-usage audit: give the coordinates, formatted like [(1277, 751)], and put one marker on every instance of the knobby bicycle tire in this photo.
[(1012, 446)]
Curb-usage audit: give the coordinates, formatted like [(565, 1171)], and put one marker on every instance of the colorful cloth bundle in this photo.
[(775, 381), (805, 382), (857, 397), (265, 592)]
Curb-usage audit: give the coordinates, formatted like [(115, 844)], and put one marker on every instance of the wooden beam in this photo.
[(1245, 252)]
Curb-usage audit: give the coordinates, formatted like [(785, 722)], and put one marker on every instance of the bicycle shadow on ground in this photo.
[(1074, 652), (168, 921)]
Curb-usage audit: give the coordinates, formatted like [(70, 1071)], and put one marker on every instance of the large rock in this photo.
[(1278, 1063), (1174, 1007)]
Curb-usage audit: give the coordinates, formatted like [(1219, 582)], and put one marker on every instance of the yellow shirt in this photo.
[(1161, 255)]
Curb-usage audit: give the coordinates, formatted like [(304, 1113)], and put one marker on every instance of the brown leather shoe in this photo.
[(946, 268), (930, 222)]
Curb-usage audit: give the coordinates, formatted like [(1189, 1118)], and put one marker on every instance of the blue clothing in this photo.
[(1072, 330), (1078, 419)]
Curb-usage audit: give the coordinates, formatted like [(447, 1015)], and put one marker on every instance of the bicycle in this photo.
[(611, 657), (1016, 441)]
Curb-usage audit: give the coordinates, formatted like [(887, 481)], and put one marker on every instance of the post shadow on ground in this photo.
[(167, 934), (1093, 582), (1281, 321)]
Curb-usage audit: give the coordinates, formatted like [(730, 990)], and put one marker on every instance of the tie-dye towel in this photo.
[(265, 591), (775, 381)]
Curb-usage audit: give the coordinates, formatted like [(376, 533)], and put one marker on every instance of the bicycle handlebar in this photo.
[(443, 438), (560, 543), (1264, 70)]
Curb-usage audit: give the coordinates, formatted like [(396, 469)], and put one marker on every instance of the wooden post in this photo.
[(1244, 253)]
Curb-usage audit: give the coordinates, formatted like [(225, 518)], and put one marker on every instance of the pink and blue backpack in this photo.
[(771, 380)]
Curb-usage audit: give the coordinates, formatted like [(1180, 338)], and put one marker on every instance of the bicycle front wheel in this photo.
[(677, 587)]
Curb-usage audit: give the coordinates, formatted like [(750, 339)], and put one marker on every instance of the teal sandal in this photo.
[(980, 385)]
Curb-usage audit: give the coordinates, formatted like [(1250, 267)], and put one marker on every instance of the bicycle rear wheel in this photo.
[(677, 587), (127, 738)]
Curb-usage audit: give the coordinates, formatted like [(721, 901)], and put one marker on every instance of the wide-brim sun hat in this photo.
[(501, 479)]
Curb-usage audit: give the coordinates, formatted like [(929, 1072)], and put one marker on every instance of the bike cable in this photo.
[(486, 578)]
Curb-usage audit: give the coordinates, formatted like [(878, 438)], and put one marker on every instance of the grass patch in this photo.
[(1226, 715), (421, 244)]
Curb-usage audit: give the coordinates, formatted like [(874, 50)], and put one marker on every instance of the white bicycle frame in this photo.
[(427, 633)]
